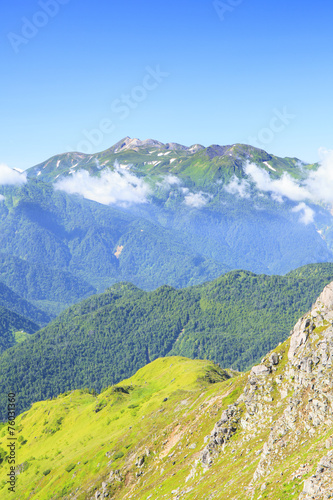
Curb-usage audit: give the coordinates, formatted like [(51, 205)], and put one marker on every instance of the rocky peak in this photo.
[(136, 144)]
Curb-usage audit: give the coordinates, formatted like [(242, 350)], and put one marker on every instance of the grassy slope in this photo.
[(67, 431), (79, 448)]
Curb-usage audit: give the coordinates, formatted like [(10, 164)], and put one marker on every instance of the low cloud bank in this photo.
[(238, 187), (196, 200), (285, 186), (308, 214), (320, 182), (2, 197), (316, 188), (118, 187), (10, 177), (169, 181)]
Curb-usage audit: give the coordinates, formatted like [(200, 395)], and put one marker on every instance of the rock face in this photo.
[(290, 394), (223, 430)]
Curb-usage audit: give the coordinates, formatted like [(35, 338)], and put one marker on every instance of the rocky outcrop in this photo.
[(290, 393), (223, 430), (319, 486)]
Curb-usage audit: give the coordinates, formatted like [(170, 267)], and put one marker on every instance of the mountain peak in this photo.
[(137, 144)]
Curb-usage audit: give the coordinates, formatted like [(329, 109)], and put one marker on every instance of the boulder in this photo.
[(260, 370)]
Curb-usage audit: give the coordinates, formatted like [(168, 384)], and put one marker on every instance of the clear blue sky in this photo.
[(230, 76)]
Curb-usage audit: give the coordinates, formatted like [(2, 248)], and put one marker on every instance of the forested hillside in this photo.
[(14, 328), (15, 303), (233, 320)]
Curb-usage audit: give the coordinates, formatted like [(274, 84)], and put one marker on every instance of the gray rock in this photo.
[(140, 461), (274, 358), (311, 486), (299, 337), (260, 370)]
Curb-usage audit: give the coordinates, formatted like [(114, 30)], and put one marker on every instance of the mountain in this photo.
[(187, 429), (196, 162), (154, 214), (58, 249), (233, 321)]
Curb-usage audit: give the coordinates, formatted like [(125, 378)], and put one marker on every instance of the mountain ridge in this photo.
[(160, 152), (187, 429), (233, 320)]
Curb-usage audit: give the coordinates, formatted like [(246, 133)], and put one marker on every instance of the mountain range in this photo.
[(154, 214), (184, 429), (233, 320)]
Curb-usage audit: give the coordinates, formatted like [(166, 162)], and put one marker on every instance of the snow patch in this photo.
[(268, 165)]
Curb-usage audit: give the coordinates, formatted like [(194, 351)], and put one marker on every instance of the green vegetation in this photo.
[(232, 321), (14, 302), (148, 440), (14, 328), (89, 445), (41, 284)]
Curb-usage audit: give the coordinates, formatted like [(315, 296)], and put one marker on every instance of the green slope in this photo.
[(15, 303), (233, 320), (66, 444), (148, 437), (14, 328)]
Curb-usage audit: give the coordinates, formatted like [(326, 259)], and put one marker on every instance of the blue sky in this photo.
[(94, 72)]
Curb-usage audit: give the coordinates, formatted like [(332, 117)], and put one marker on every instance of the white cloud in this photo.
[(284, 186), (308, 214), (317, 187), (2, 197), (172, 180), (196, 200), (168, 181), (320, 182), (8, 176), (238, 187), (112, 187)]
